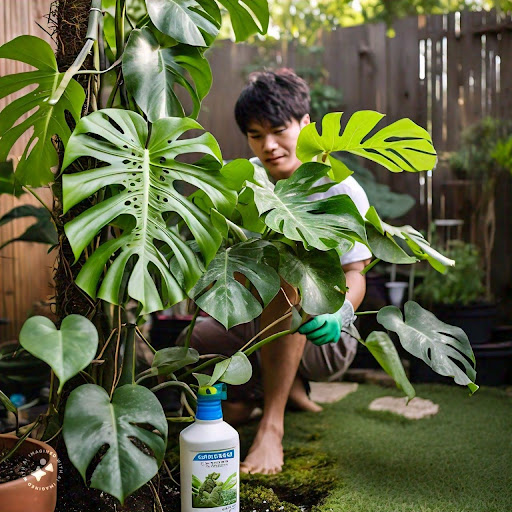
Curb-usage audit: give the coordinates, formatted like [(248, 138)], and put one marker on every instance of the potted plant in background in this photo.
[(458, 298), (127, 233), (482, 158)]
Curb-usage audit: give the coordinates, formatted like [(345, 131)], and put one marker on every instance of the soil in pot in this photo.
[(29, 476), (16, 466)]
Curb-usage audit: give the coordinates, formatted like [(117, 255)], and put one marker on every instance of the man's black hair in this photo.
[(276, 97)]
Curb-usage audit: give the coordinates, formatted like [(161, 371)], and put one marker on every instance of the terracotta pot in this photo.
[(36, 492)]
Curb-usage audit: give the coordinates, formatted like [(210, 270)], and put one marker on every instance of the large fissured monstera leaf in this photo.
[(401, 146), (324, 224), (228, 300), (92, 420), (142, 171), (445, 348), (152, 73), (39, 156), (382, 243), (197, 22), (318, 276)]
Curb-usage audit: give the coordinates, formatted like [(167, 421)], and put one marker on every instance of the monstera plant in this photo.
[(116, 165)]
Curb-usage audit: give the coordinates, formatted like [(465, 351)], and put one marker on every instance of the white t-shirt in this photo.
[(351, 188)]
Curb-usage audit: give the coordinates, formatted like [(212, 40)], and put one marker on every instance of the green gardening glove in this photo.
[(327, 328)]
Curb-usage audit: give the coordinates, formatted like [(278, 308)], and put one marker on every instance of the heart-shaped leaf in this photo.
[(168, 360), (147, 169), (39, 156), (318, 276), (68, 350), (235, 370), (443, 347), (42, 231), (192, 22), (153, 72), (228, 300), (384, 351), (401, 146), (92, 421), (323, 224)]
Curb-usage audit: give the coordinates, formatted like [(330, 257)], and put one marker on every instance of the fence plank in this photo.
[(25, 268)]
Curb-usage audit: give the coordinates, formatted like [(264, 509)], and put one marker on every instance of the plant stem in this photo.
[(129, 358), (275, 322), (202, 366), (260, 344), (119, 26), (20, 441), (177, 384), (143, 338), (370, 266), (361, 313), (97, 72), (191, 328), (92, 34), (31, 191)]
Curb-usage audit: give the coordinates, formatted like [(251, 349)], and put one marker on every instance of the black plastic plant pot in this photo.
[(493, 363), (476, 320)]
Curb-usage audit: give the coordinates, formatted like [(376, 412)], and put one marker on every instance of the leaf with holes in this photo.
[(42, 231), (39, 156), (323, 224), (381, 240), (445, 348), (228, 300), (401, 146), (153, 72), (318, 276), (145, 170), (93, 421), (383, 349)]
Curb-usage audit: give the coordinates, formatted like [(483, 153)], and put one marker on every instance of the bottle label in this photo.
[(215, 480)]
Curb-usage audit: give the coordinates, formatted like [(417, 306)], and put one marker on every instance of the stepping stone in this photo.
[(329, 392), (417, 408)]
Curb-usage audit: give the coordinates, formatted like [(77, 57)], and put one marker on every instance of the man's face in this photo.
[(275, 145)]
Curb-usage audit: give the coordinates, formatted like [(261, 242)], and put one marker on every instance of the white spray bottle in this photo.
[(210, 457)]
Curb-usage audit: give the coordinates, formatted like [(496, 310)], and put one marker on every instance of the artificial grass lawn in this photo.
[(457, 461)]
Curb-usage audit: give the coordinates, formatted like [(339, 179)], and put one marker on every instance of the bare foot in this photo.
[(299, 398), (266, 453)]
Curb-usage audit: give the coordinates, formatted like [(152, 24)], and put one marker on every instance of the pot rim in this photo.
[(29, 478)]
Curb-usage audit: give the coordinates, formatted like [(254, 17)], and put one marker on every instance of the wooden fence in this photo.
[(25, 268), (444, 72)]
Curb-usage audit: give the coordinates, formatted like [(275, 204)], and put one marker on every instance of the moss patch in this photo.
[(307, 477)]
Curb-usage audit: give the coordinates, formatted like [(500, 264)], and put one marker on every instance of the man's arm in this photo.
[(356, 282)]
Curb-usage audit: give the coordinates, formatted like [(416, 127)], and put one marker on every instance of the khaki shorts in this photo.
[(319, 363)]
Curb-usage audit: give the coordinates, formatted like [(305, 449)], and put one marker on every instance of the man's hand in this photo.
[(323, 329), (327, 328)]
